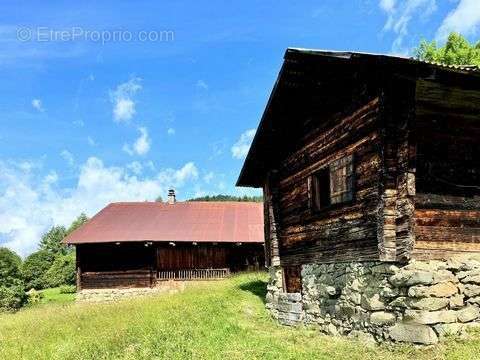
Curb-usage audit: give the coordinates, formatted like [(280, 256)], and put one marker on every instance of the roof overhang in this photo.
[(258, 160)]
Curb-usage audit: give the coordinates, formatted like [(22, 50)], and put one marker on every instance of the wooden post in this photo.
[(79, 278), (79, 269), (271, 223)]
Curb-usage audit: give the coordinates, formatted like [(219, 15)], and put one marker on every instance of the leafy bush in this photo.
[(34, 296), (62, 271), (10, 264), (68, 289), (35, 267), (12, 297)]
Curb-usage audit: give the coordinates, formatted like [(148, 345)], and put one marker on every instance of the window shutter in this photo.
[(341, 180)]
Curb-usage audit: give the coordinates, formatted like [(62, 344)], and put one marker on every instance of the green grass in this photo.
[(53, 295), (220, 320)]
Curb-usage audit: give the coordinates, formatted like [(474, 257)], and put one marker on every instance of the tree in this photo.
[(10, 268), (62, 271), (12, 290), (457, 51), (52, 241), (159, 199), (35, 267), (222, 197), (79, 221)]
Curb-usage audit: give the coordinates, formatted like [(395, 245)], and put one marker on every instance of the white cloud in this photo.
[(122, 100), (399, 16), (464, 19), (68, 157), (37, 105), (135, 167), (387, 5), (241, 147), (171, 131), (202, 85), (217, 148), (188, 172), (31, 203), (141, 146), (208, 177)]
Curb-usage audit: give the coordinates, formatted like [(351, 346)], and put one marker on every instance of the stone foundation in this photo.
[(106, 295), (419, 302)]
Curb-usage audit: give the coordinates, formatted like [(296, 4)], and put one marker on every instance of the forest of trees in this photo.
[(222, 197), (52, 265)]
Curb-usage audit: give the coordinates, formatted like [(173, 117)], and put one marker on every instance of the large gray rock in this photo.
[(430, 317), (411, 333), (372, 303), (430, 303), (470, 313), (438, 290), (290, 307), (441, 276), (457, 301), (290, 297), (453, 329), (475, 300), (411, 277), (471, 290), (400, 302), (470, 276), (290, 319), (381, 318)]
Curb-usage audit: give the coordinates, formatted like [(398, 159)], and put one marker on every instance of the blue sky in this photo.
[(172, 101)]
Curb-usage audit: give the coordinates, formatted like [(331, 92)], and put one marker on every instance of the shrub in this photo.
[(68, 289), (12, 297), (62, 271), (10, 264), (34, 296), (35, 267)]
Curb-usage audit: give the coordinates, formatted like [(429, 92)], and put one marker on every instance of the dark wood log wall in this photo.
[(339, 233), (209, 256), (112, 257), (447, 202), (191, 257), (117, 279), (134, 264), (271, 216), (397, 186)]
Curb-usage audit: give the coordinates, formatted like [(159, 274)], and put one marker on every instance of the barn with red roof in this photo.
[(137, 244)]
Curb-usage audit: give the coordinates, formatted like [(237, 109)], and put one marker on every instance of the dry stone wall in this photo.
[(114, 294), (419, 302)]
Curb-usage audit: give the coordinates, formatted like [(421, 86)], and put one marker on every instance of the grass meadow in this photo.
[(217, 320)]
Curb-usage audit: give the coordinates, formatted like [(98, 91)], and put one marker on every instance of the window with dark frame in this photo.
[(332, 184)]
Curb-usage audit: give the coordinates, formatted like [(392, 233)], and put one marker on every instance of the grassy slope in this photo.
[(54, 295), (222, 320)]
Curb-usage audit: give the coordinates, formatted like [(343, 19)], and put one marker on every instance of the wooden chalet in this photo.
[(366, 157), (136, 244)]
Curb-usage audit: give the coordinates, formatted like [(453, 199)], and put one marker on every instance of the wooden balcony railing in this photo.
[(193, 274)]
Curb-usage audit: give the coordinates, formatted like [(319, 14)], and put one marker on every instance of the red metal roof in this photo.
[(182, 221)]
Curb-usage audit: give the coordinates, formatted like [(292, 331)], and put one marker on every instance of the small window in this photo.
[(292, 279), (332, 184)]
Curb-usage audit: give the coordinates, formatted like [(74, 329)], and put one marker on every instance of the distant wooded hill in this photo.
[(228, 198)]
